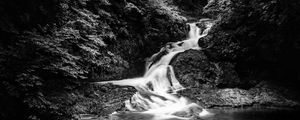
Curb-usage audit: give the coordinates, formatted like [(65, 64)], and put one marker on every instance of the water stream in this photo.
[(156, 97)]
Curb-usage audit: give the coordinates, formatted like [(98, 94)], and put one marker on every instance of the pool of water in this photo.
[(232, 114), (253, 114)]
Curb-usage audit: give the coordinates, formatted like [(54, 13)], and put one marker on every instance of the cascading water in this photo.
[(156, 97)]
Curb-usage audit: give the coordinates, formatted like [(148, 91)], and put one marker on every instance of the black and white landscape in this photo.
[(149, 59)]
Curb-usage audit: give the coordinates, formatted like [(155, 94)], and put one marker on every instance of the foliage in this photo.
[(51, 50)]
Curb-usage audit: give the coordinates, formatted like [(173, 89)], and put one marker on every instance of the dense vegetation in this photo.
[(50, 51)]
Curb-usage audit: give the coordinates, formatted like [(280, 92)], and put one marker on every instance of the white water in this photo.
[(157, 97)]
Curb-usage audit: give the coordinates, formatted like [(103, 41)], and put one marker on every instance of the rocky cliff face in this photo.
[(261, 37), (51, 50)]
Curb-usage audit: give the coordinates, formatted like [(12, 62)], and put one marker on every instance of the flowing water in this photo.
[(156, 97)]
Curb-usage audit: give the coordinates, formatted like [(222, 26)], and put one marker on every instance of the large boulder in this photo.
[(194, 70)]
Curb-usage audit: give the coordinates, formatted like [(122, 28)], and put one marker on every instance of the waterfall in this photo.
[(156, 97)]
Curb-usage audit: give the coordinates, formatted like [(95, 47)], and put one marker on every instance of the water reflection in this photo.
[(253, 114)]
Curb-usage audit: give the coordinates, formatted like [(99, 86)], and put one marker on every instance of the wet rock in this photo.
[(227, 98), (235, 97), (268, 94), (194, 70)]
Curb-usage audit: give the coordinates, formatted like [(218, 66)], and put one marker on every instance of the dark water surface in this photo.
[(232, 114), (254, 114)]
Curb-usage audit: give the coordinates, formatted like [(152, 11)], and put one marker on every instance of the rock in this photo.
[(228, 98), (269, 97), (227, 76), (235, 97), (266, 93), (194, 70)]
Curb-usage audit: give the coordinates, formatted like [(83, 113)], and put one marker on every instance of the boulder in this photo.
[(194, 70)]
